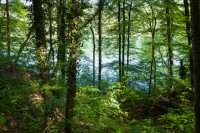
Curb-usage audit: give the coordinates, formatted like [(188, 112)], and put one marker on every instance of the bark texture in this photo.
[(94, 49), (100, 42), (41, 46), (195, 19), (73, 30), (189, 38), (8, 28), (119, 40), (169, 42), (153, 46), (123, 38), (62, 37)]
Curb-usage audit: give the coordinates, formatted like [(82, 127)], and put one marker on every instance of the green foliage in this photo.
[(18, 108), (18, 25), (96, 112), (180, 120), (128, 98), (175, 121)]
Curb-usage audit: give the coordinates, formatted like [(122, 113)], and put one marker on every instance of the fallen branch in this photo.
[(48, 125)]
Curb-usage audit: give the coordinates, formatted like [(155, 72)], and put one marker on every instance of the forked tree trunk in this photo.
[(195, 17)]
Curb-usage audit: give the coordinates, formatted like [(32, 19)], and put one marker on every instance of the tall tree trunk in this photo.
[(195, 19), (153, 64), (189, 38), (94, 49), (51, 51), (128, 40), (41, 46), (123, 38), (73, 17), (153, 59), (62, 37), (119, 40), (8, 28), (100, 42), (169, 42)]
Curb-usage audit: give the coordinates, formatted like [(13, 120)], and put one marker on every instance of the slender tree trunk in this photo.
[(123, 38), (151, 71), (63, 40), (195, 19), (153, 59), (41, 46), (100, 42), (51, 51), (119, 40), (169, 43), (153, 65), (94, 49), (62, 37), (189, 38), (73, 17), (8, 28), (128, 45)]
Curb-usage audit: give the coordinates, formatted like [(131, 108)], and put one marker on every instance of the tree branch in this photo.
[(24, 44), (90, 19)]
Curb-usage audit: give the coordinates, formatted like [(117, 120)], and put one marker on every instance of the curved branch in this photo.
[(95, 14), (23, 44)]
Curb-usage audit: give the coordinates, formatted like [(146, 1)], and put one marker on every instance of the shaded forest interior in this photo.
[(106, 66)]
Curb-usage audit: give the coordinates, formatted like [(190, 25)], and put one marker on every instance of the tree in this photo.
[(50, 14), (8, 28), (73, 14), (94, 49), (189, 38), (38, 14), (61, 56), (195, 19), (129, 36), (123, 37), (169, 41), (119, 38), (101, 4), (152, 27)]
